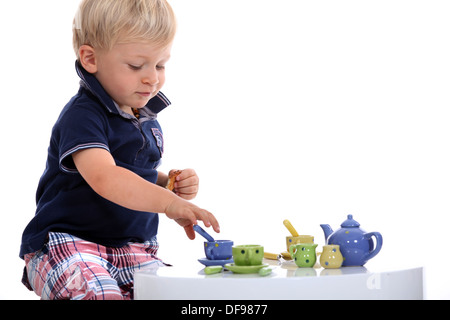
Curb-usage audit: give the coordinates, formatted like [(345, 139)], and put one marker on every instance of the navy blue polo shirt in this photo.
[(65, 202)]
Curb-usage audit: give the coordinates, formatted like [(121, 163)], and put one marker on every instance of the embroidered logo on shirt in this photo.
[(159, 139)]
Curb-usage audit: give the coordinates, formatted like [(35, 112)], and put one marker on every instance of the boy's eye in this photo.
[(134, 67), (160, 67)]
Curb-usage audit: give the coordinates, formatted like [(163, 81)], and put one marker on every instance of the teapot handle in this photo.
[(377, 249)]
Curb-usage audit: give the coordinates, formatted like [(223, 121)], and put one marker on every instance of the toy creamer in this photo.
[(355, 244), (304, 254)]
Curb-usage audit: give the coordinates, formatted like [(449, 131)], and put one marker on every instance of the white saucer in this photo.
[(208, 262)]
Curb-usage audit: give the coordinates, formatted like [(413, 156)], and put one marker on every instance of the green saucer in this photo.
[(244, 269)]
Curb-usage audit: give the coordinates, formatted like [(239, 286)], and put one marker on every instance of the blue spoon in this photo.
[(203, 233)]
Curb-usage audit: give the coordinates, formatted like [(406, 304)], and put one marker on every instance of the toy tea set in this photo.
[(349, 245)]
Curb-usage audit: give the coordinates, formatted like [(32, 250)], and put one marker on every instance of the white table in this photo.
[(284, 283)]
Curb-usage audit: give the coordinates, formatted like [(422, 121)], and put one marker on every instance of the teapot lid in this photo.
[(350, 223)]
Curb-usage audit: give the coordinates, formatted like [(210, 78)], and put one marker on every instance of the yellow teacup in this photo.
[(290, 240)]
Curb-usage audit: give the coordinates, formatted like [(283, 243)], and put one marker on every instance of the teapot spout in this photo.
[(327, 231)]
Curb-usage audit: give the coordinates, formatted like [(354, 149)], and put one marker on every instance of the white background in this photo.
[(299, 110)]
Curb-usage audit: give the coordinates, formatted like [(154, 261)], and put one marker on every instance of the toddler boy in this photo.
[(99, 197)]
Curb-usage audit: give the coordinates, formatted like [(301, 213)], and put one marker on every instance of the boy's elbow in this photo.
[(99, 186), (100, 182)]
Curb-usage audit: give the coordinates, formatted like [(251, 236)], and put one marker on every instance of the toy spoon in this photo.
[(203, 233), (265, 271), (291, 229), (213, 269)]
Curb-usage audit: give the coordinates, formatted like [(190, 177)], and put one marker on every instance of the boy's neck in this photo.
[(130, 111)]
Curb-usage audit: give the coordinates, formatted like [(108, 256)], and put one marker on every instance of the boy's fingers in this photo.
[(190, 232), (186, 182), (188, 190), (186, 173), (210, 220), (214, 223)]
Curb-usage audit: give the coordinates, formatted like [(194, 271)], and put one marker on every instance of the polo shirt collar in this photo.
[(90, 82)]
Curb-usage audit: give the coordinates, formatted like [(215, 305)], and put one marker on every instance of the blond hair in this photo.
[(105, 23)]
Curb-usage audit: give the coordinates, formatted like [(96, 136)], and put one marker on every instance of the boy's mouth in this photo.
[(144, 94)]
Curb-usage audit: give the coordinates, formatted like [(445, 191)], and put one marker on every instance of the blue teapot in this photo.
[(355, 244)]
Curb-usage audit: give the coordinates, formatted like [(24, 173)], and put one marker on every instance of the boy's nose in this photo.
[(151, 79)]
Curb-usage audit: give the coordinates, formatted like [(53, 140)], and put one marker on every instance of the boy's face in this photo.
[(132, 73)]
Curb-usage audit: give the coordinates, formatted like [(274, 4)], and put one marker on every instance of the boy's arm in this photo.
[(129, 190), (162, 180)]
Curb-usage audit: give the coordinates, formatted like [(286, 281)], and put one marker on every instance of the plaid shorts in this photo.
[(72, 268)]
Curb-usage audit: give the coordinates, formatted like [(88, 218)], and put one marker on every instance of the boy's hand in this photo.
[(186, 184), (127, 189), (186, 215)]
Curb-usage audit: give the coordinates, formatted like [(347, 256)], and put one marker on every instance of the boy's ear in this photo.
[(88, 58)]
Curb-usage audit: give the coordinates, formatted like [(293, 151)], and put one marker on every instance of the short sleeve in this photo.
[(79, 127)]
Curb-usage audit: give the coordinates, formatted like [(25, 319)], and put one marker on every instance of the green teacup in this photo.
[(248, 255)]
